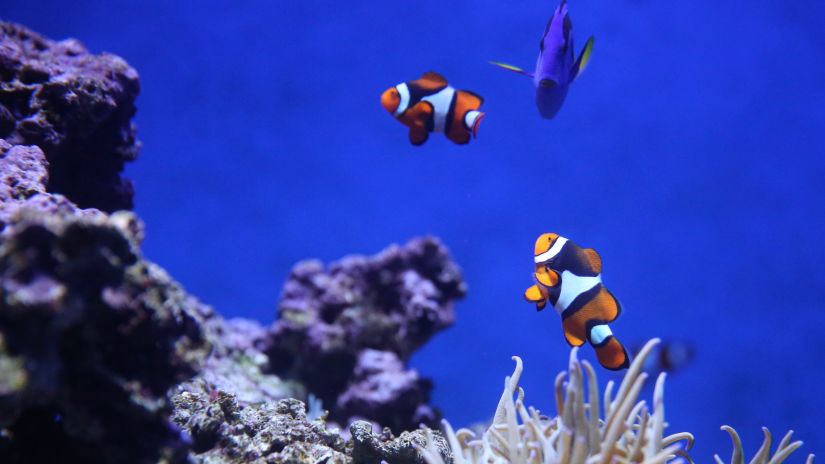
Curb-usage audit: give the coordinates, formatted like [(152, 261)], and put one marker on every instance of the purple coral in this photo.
[(77, 107), (346, 331)]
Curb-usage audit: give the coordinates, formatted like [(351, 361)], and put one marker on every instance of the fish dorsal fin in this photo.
[(594, 259), (434, 77), (584, 58)]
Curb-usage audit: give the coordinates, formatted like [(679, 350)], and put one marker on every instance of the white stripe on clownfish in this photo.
[(441, 102), (552, 252), (599, 333), (470, 119), (404, 96), (572, 286)]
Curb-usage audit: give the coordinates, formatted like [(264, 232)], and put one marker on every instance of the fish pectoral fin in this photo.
[(418, 135), (510, 67), (594, 259), (583, 59), (571, 338), (421, 112), (547, 277), (533, 294)]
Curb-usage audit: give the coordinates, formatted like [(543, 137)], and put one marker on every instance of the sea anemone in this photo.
[(627, 432)]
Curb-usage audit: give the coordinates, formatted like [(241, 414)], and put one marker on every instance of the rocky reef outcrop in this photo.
[(105, 358), (347, 330), (77, 107), (91, 335)]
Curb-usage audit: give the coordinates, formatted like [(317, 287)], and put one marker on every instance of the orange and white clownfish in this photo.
[(429, 104), (569, 277)]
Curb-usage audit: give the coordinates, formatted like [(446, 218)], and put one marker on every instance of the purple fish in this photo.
[(556, 67)]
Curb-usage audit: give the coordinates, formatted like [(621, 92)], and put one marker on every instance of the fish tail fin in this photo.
[(609, 351), (612, 355), (510, 67)]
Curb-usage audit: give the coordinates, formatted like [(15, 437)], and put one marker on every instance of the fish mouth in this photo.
[(548, 84)]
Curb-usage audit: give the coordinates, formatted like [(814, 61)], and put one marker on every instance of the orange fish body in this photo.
[(430, 104), (569, 277)]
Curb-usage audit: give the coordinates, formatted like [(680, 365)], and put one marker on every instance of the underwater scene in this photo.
[(537, 231)]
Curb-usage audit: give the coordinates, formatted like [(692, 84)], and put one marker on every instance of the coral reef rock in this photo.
[(346, 331), (368, 448), (105, 358), (77, 107), (224, 430), (92, 338)]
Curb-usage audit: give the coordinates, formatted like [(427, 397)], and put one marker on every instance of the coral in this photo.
[(367, 447), (346, 332), (99, 347), (227, 431), (97, 344), (23, 172), (237, 366), (384, 391), (763, 456), (76, 107), (24, 175), (100, 334)]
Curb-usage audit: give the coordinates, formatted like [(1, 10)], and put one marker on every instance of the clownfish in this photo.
[(569, 277), (429, 104), (556, 67)]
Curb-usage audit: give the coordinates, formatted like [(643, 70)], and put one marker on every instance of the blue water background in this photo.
[(690, 155)]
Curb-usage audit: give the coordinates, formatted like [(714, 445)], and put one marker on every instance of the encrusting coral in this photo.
[(628, 432)]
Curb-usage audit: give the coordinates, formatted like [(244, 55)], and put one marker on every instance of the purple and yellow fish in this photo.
[(569, 277), (556, 67)]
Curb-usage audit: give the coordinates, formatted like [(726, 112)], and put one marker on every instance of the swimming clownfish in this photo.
[(556, 67), (569, 277), (429, 104)]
